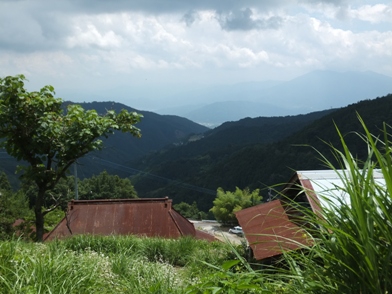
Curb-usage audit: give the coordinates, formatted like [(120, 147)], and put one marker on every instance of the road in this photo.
[(216, 229)]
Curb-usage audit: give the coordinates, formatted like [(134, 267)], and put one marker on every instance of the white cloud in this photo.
[(208, 41), (87, 35), (373, 13)]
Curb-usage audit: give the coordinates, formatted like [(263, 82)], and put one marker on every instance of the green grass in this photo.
[(112, 264)]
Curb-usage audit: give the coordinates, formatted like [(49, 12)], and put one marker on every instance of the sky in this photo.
[(140, 52)]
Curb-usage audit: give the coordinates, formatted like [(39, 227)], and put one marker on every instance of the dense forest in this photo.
[(245, 154), (158, 131)]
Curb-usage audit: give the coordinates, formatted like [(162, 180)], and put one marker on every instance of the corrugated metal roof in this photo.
[(270, 227), (328, 186), (151, 217), (269, 230)]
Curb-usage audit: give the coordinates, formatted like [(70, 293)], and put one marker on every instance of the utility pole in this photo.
[(76, 182)]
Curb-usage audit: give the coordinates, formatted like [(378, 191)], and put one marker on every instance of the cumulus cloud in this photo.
[(373, 13), (91, 38)]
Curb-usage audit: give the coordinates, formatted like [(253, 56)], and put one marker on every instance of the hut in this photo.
[(150, 217)]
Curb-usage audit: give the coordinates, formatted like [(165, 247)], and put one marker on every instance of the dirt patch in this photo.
[(220, 232)]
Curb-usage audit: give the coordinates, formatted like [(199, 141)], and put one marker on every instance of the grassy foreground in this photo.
[(87, 264)]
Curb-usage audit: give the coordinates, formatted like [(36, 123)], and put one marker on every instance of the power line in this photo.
[(153, 176), (135, 171)]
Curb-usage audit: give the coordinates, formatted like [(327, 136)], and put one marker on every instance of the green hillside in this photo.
[(252, 152), (196, 170), (158, 131)]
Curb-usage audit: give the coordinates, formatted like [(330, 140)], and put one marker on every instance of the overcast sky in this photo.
[(125, 50)]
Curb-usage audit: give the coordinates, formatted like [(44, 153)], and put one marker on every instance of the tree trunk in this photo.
[(39, 216)]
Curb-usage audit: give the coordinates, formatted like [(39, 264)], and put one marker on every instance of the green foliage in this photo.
[(58, 196), (179, 252), (226, 279), (52, 218), (36, 130), (112, 264), (234, 275), (243, 154), (37, 268), (105, 186), (351, 248), (190, 210), (356, 237), (4, 182), (227, 203), (13, 206)]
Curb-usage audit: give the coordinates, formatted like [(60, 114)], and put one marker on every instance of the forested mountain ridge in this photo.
[(231, 136), (252, 153), (157, 131), (255, 165)]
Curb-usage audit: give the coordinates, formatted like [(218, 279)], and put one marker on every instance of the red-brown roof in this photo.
[(151, 217), (269, 230)]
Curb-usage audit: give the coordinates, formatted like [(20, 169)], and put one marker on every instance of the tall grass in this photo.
[(352, 239), (357, 253), (112, 264), (35, 268), (350, 249)]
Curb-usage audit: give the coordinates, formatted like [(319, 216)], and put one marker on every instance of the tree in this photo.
[(227, 203), (106, 186), (13, 206), (4, 182), (190, 211), (38, 131)]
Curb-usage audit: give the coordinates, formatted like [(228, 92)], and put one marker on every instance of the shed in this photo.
[(272, 227), (150, 217)]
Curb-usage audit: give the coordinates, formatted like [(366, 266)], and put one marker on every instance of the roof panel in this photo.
[(329, 187), (269, 230), (147, 217)]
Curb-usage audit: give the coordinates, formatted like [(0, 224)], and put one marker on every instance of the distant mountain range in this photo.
[(314, 91)]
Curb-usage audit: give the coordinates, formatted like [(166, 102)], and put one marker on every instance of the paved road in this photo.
[(216, 229)]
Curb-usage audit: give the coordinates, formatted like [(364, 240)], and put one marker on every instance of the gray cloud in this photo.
[(333, 2), (27, 26), (190, 17), (165, 6), (242, 20)]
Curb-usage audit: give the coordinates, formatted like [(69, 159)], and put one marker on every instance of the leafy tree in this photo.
[(13, 206), (227, 203), (56, 197), (105, 186), (190, 210), (50, 139), (4, 182)]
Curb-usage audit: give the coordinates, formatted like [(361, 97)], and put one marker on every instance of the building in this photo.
[(275, 226), (150, 217)]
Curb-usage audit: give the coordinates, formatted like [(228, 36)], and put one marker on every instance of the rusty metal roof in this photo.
[(272, 227), (151, 217), (269, 230)]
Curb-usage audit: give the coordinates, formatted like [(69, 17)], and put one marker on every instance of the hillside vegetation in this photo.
[(158, 131), (242, 155), (252, 153)]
